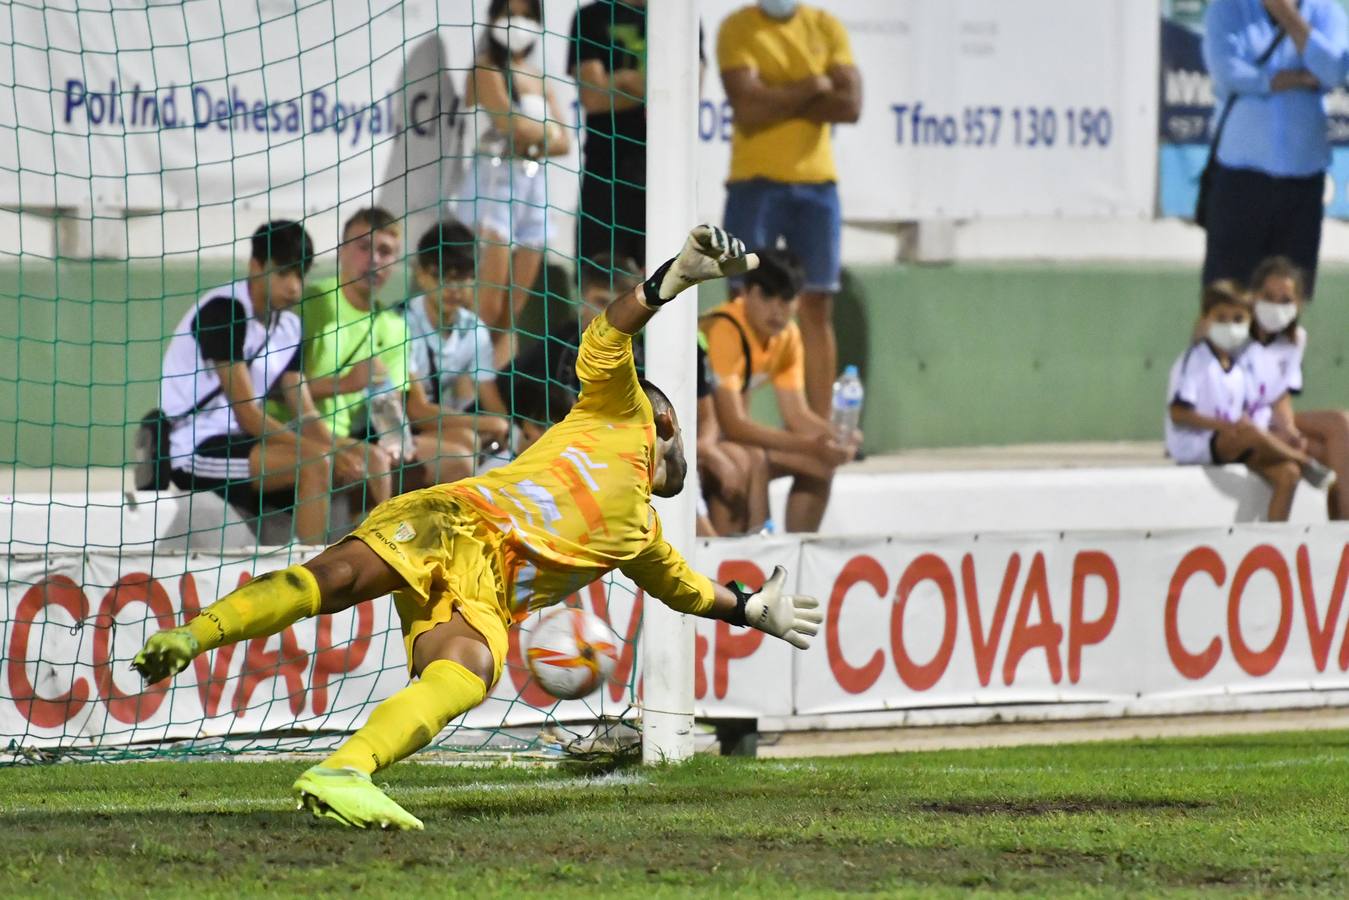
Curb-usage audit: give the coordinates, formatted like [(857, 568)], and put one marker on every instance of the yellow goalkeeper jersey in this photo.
[(577, 504)]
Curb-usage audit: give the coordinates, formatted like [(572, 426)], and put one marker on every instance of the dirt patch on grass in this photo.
[(1069, 805)]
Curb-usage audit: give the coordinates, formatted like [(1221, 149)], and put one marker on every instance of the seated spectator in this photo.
[(1208, 412), (353, 350), (450, 358), (733, 477), (516, 124), (237, 345), (1273, 364), (753, 340), (545, 384)]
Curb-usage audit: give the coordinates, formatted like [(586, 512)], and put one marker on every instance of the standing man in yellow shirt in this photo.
[(789, 75)]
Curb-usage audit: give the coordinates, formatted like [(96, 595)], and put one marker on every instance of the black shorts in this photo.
[(238, 492), (1252, 216), (1217, 457)]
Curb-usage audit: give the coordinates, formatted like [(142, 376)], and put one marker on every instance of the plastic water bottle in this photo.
[(847, 408), (388, 419)]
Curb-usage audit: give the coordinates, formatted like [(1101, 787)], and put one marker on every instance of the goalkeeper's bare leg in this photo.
[(338, 578)]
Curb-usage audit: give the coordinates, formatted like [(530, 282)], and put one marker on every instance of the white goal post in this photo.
[(666, 642)]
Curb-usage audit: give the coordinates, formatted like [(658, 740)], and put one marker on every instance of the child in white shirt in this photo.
[(450, 358), (1208, 421), (1273, 365)]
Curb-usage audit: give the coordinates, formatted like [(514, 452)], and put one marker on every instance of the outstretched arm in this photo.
[(604, 363), (708, 253), (663, 573)]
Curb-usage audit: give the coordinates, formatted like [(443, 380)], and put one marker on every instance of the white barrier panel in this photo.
[(72, 622), (1152, 619), (1021, 500), (981, 108), (1097, 624), (739, 672), (971, 108)]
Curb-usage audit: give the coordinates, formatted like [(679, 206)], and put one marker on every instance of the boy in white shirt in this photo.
[(1208, 421), (450, 357)]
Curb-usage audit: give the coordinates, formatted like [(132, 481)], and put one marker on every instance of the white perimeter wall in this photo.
[(917, 631)]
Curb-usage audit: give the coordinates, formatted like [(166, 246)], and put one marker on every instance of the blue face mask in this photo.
[(778, 9)]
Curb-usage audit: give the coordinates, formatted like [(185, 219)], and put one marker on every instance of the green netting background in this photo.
[(140, 146)]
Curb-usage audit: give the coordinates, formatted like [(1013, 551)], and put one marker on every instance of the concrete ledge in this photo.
[(787, 745), (1150, 496), (34, 523), (1038, 487)]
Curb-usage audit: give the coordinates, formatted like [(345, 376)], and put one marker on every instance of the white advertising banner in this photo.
[(72, 622), (981, 108), (1148, 619), (971, 108), (202, 104), (245, 110), (1129, 622)]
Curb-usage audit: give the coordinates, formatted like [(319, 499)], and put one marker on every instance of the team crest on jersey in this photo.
[(405, 532)]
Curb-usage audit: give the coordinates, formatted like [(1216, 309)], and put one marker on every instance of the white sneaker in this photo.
[(1318, 475)]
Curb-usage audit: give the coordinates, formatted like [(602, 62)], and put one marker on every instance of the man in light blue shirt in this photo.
[(1266, 196)]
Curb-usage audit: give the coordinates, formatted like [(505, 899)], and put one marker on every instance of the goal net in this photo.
[(141, 145)]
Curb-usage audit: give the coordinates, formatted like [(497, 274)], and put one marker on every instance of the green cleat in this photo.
[(350, 797), (165, 654)]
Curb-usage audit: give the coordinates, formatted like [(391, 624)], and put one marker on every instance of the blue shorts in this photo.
[(805, 216)]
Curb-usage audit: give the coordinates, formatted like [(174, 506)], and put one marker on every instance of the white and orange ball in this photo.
[(571, 652)]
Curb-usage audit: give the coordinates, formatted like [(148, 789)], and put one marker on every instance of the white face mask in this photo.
[(516, 34), (778, 9), (1229, 337), (1274, 317)]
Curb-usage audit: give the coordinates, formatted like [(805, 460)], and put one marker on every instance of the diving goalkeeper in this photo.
[(465, 560)]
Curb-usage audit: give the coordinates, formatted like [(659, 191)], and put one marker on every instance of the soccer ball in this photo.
[(571, 652)]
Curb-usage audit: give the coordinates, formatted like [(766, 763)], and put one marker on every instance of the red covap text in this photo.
[(907, 624)]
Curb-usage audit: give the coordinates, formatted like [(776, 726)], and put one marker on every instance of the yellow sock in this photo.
[(407, 721), (266, 605)]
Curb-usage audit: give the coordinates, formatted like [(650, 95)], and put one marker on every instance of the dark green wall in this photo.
[(970, 355), (954, 355), (77, 373), (80, 348)]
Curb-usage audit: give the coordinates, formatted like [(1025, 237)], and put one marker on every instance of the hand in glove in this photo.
[(708, 253), (792, 617)]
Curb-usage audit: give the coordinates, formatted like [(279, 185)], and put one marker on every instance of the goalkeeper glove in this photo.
[(708, 253), (792, 617)]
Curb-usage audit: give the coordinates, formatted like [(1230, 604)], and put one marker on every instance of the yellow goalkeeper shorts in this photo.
[(451, 561)]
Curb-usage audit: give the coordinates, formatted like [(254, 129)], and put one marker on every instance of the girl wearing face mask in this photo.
[(1208, 421), (515, 123), (1274, 372)]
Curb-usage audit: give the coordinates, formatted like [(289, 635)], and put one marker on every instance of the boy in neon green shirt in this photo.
[(351, 346)]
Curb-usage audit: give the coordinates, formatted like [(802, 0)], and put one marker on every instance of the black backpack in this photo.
[(152, 452)]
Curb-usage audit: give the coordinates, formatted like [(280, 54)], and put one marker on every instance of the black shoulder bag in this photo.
[(1206, 177), (744, 345)]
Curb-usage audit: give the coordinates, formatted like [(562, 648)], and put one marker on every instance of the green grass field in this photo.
[(1264, 814)]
